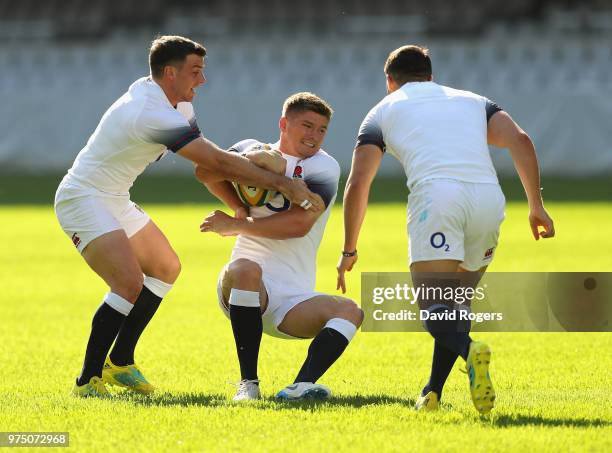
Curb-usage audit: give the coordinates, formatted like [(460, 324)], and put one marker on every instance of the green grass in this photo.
[(553, 389)]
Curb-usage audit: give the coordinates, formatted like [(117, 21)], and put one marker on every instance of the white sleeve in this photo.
[(322, 176), (370, 131), (166, 127), (243, 145)]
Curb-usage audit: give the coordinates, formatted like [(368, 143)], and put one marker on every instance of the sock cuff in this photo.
[(118, 303), (157, 287), (346, 328), (242, 298)]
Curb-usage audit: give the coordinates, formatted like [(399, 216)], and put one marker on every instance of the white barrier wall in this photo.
[(54, 95)]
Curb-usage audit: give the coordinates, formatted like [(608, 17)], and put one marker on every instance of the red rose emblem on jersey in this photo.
[(297, 172)]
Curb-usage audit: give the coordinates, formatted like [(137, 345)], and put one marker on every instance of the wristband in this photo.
[(349, 254)]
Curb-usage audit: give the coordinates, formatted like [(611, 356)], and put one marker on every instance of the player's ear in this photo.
[(390, 83), (282, 123), (169, 72)]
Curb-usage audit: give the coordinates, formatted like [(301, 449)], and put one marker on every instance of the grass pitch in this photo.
[(553, 389)]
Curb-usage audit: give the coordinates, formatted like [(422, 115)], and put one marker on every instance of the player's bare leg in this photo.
[(451, 341), (112, 258), (245, 294), (332, 321), (161, 267), (156, 256)]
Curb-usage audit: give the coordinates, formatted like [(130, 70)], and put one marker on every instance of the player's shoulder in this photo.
[(145, 88), (455, 92), (322, 162), (153, 106)]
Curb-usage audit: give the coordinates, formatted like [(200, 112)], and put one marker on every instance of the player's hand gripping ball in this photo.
[(265, 157)]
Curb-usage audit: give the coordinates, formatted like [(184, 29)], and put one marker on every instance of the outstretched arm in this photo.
[(503, 132), (366, 160), (224, 165)]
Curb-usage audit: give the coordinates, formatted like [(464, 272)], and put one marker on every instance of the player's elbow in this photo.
[(523, 139), (357, 185), (302, 228), (202, 174), (521, 142)]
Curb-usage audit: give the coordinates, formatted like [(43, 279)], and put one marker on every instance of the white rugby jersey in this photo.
[(292, 261), (136, 130), (434, 131)]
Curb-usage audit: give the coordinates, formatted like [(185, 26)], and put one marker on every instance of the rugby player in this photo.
[(456, 205), (269, 283), (116, 238)]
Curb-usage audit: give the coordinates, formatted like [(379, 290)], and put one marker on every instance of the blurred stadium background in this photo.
[(548, 63)]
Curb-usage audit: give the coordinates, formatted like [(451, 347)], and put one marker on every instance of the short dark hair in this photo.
[(305, 101), (171, 50), (408, 64)]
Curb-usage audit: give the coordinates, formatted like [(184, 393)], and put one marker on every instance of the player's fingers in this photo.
[(316, 203), (534, 229), (549, 231), (341, 284)]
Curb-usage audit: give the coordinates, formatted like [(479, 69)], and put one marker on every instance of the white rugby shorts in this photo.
[(454, 220), (85, 214), (282, 297)]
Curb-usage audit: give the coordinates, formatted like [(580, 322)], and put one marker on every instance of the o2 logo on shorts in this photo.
[(438, 240)]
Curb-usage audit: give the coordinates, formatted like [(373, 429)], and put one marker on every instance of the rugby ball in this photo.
[(256, 196), (253, 196)]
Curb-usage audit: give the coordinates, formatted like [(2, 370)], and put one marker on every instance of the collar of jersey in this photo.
[(161, 91)]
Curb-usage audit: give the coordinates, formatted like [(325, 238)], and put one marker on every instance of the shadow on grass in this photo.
[(511, 421), (266, 403), (214, 400), (173, 399), (356, 401)]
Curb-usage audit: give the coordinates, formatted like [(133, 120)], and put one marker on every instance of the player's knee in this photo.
[(350, 311), (244, 274), (129, 286), (171, 270)]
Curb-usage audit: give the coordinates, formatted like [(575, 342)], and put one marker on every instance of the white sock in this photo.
[(242, 298), (346, 328), (118, 303), (157, 287)]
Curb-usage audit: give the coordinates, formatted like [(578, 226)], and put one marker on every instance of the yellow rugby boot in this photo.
[(428, 403), (481, 387), (129, 377), (94, 388)]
